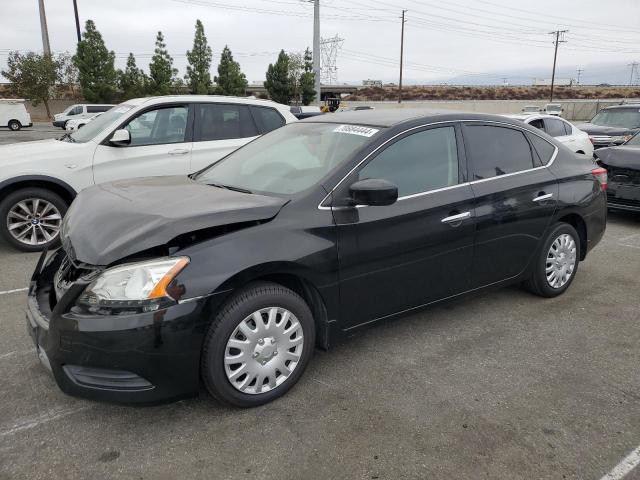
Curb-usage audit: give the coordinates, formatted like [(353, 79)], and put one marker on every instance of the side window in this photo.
[(537, 124), (159, 126), (268, 118), (568, 128), (497, 150), (554, 127), (417, 163), (543, 148), (220, 121)]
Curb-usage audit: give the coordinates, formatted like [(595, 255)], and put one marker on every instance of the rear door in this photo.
[(219, 129), (419, 249), (160, 145), (516, 196)]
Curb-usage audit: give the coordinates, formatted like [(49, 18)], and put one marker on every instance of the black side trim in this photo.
[(42, 178)]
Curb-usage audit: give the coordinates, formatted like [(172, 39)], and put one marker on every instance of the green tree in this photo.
[(230, 80), (162, 74), (307, 79), (96, 70), (277, 83), (67, 73), (198, 77), (32, 76), (132, 81)]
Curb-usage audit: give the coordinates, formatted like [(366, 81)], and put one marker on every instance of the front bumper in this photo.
[(135, 358), (59, 123)]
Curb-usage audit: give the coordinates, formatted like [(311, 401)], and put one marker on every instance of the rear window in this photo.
[(554, 127), (543, 148), (497, 151)]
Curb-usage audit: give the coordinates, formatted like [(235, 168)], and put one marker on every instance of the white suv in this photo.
[(172, 135), (77, 112)]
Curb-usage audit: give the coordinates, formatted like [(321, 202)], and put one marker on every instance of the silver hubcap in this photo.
[(561, 260), (263, 350), (34, 221)]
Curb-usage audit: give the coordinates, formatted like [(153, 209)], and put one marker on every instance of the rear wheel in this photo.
[(14, 125), (258, 345), (31, 218), (556, 263)]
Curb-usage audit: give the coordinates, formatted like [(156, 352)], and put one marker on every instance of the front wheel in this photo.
[(258, 346), (14, 125), (556, 263), (31, 218)]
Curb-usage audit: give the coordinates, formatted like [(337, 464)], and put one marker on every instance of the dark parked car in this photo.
[(302, 112), (232, 275), (623, 168), (613, 125)]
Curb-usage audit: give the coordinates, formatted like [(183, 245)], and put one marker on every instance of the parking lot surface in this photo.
[(503, 385), (39, 131)]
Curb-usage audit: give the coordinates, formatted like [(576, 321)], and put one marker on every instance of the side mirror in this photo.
[(374, 192), (120, 138)]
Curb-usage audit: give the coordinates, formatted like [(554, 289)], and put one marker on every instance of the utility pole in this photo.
[(43, 28), (401, 55), (558, 34), (316, 49), (633, 66), (580, 70), (75, 10)]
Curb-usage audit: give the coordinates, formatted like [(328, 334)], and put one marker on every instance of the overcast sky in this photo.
[(443, 39)]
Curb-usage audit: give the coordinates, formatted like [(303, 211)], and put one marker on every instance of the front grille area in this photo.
[(69, 273)]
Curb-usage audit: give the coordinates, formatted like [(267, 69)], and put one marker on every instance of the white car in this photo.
[(171, 135), (78, 111), (574, 138), (554, 109), (73, 125), (13, 114)]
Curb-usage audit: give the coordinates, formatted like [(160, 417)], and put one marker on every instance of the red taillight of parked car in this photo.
[(601, 175)]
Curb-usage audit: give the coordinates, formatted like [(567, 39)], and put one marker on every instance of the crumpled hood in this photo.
[(111, 221), (593, 129), (621, 157)]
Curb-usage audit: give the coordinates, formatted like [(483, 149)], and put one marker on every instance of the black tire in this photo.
[(243, 303), (14, 125), (538, 283), (12, 199), (64, 125)]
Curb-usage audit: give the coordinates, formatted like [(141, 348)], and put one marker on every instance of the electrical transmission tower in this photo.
[(328, 59), (633, 66)]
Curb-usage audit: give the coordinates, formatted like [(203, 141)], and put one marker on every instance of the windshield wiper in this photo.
[(67, 137), (230, 187)]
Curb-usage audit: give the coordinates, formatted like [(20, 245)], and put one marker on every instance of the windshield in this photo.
[(618, 117), (289, 159), (635, 140), (97, 125)]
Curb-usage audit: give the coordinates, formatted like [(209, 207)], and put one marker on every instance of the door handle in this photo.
[(543, 197), (179, 151), (456, 218)]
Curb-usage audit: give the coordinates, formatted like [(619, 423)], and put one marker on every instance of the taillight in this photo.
[(600, 174)]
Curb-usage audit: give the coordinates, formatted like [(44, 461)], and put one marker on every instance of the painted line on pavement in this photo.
[(15, 290), (627, 464)]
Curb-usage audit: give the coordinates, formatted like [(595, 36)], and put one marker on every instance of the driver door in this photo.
[(160, 145)]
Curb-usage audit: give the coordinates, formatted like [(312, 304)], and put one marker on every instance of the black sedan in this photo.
[(232, 276), (623, 166)]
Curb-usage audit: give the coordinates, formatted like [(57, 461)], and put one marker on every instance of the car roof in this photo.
[(389, 117), (532, 116), (206, 98), (623, 105)]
